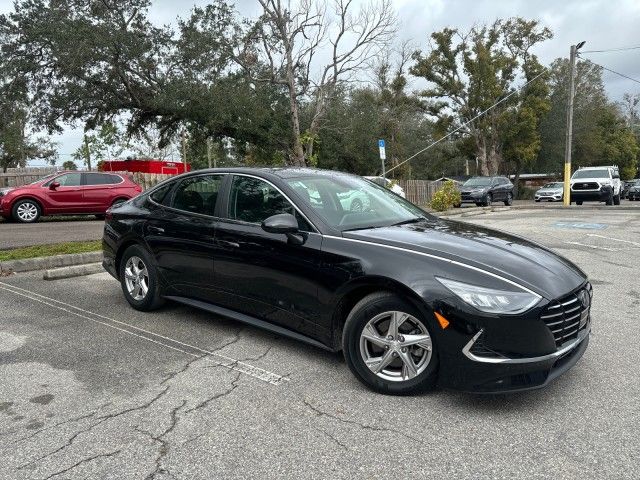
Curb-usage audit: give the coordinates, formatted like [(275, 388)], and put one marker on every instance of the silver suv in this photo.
[(596, 184)]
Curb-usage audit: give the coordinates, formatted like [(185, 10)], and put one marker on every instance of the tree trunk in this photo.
[(297, 158), (481, 154), (494, 159), (87, 153)]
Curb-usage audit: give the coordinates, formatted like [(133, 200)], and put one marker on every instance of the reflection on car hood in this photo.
[(4, 191), (510, 256)]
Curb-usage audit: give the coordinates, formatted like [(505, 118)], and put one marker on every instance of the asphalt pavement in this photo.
[(15, 235), (90, 388)]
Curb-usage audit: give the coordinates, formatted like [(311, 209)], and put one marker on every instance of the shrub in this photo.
[(446, 197), (526, 193)]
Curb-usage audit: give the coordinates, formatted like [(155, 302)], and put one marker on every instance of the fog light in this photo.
[(444, 323)]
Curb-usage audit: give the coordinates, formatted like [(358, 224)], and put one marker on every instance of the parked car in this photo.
[(390, 184), (634, 190), (551, 192), (596, 184), (66, 193), (410, 299), (486, 190)]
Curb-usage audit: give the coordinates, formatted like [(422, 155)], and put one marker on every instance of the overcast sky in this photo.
[(603, 24)]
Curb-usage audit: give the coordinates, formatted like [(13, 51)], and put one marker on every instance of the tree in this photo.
[(107, 142), (69, 165), (281, 48), (470, 72)]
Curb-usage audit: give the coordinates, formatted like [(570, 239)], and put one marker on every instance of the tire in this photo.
[(616, 200), (578, 202), (396, 377), (538, 200), (478, 204), (100, 216), (509, 200), (133, 289), (610, 199), (26, 211), (488, 200)]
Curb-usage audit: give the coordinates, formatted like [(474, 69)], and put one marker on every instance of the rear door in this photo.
[(98, 190), (67, 197), (180, 233)]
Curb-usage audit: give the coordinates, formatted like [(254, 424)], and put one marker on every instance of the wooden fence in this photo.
[(15, 177), (419, 192)]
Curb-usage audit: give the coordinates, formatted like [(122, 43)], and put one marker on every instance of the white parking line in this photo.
[(230, 363), (635, 244), (595, 247)]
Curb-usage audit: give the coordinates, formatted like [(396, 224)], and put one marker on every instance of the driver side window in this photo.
[(253, 200), (66, 180)]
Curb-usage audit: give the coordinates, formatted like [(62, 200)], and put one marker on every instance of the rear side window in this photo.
[(101, 179), (198, 194), (160, 194)]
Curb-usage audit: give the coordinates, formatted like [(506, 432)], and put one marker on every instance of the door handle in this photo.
[(227, 243), (153, 229)]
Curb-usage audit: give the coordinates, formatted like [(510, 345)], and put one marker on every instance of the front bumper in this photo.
[(551, 197), (475, 197), (601, 195)]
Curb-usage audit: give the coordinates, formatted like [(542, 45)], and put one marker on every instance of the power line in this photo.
[(620, 49), (612, 71), (466, 123)]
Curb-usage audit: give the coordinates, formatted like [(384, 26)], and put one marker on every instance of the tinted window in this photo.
[(478, 182), (198, 194), (67, 180), (253, 200), (597, 173), (101, 179), (160, 193)]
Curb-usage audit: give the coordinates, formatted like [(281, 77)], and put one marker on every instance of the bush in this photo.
[(446, 197), (526, 193)]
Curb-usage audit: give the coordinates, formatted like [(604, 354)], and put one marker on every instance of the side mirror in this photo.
[(283, 223), (54, 185)]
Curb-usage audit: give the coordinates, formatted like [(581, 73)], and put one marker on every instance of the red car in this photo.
[(67, 193)]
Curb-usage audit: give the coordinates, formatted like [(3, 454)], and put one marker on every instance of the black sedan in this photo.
[(411, 300)]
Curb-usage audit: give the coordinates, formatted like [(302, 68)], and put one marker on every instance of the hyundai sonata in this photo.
[(411, 300)]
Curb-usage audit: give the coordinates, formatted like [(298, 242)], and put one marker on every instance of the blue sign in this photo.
[(380, 143), (580, 225)]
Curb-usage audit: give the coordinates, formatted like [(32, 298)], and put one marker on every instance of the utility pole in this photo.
[(184, 147), (209, 148), (87, 152), (573, 53)]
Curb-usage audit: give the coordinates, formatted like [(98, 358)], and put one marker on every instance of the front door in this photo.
[(66, 197), (181, 236), (266, 275)]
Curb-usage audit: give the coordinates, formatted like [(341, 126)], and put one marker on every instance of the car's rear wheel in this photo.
[(388, 346), (616, 200), (509, 200), (578, 202), (26, 211), (139, 279)]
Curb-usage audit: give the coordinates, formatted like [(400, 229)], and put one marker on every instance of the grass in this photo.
[(49, 250)]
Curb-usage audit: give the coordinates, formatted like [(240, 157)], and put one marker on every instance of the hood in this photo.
[(5, 190), (519, 260)]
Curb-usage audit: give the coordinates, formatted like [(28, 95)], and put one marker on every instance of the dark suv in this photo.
[(485, 190)]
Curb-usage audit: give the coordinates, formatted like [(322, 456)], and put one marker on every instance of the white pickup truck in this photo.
[(596, 184)]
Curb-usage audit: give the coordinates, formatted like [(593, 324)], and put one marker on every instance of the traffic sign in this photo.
[(383, 153)]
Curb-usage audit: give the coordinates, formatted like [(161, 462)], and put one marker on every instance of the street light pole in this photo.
[(569, 133)]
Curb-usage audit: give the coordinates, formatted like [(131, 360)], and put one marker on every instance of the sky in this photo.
[(603, 24)]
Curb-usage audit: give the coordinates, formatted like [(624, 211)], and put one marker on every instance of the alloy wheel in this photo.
[(396, 346), (136, 278), (27, 211)]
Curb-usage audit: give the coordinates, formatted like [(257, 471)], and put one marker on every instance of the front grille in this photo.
[(585, 186), (568, 315)]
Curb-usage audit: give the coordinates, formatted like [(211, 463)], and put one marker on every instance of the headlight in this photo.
[(492, 300)]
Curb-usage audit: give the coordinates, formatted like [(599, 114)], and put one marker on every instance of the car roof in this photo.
[(281, 172)]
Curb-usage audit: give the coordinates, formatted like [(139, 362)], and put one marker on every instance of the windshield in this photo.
[(350, 203), (596, 173), (478, 182), (553, 185), (43, 178)]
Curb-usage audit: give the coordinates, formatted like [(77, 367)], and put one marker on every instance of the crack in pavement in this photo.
[(204, 403), (84, 460), (365, 426), (335, 440)]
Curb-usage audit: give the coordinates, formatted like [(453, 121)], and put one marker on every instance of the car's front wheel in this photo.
[(26, 211), (388, 346), (616, 200), (509, 200), (139, 279)]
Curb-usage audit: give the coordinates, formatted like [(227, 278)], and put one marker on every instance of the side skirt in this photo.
[(241, 317)]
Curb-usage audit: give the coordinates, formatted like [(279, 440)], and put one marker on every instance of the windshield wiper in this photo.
[(411, 220)]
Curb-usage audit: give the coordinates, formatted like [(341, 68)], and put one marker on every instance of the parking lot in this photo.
[(91, 388)]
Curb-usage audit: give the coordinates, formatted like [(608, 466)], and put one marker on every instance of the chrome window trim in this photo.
[(467, 353), (317, 230), (448, 260)]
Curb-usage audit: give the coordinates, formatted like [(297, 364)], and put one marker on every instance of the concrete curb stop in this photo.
[(72, 271), (55, 261)]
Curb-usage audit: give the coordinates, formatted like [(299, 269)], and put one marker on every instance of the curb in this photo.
[(72, 271), (55, 261)]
